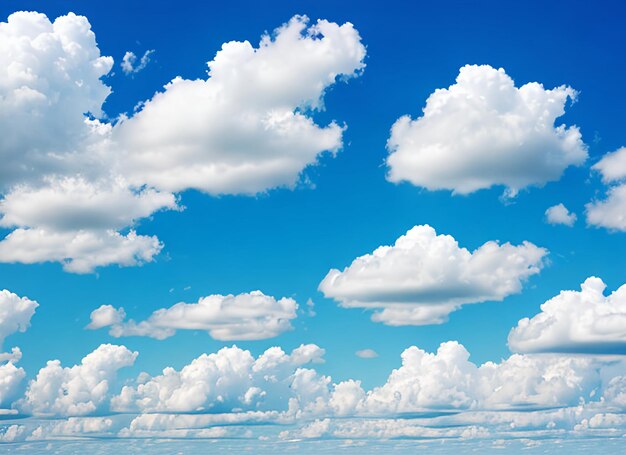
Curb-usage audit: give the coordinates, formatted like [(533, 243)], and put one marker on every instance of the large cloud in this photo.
[(77, 390), (483, 131), (424, 277), (59, 194), (248, 316), (73, 184), (576, 321), (611, 211), (245, 129), (231, 379)]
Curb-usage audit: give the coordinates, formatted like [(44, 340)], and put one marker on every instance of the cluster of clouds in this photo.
[(76, 184), (247, 128), (566, 375)]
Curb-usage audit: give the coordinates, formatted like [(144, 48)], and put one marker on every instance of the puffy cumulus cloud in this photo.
[(231, 379), (423, 277), (609, 212), (78, 390), (15, 313), (247, 316), (448, 380), (75, 203), (11, 378), (75, 221), (559, 214), (130, 65), (247, 128), (79, 251), (584, 321), (484, 131), (612, 166), (50, 77)]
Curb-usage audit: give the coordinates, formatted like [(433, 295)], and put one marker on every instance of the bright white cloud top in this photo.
[(424, 277), (584, 321), (247, 127), (248, 316), (559, 214), (483, 131), (230, 379), (610, 212), (77, 390)]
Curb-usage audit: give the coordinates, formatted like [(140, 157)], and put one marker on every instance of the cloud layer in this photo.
[(483, 131), (423, 277)]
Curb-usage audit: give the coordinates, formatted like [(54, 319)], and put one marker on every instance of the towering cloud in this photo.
[(484, 131), (424, 277)]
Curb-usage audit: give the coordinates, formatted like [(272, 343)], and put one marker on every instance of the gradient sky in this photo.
[(283, 241)]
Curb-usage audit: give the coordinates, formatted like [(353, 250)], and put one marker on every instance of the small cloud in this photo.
[(366, 353), (559, 214), (310, 308), (129, 62)]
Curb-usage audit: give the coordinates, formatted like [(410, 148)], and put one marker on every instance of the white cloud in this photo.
[(79, 251), (248, 316), (78, 390), (65, 177), (59, 194), (50, 77), (11, 378), (366, 353), (559, 214), (247, 127), (74, 203), (483, 131), (231, 379), (448, 380), (15, 313), (129, 62), (424, 277), (612, 166), (576, 321), (609, 212)]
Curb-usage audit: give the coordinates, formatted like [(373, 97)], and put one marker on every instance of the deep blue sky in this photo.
[(284, 242)]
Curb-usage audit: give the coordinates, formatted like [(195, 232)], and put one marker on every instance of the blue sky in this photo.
[(284, 239)]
